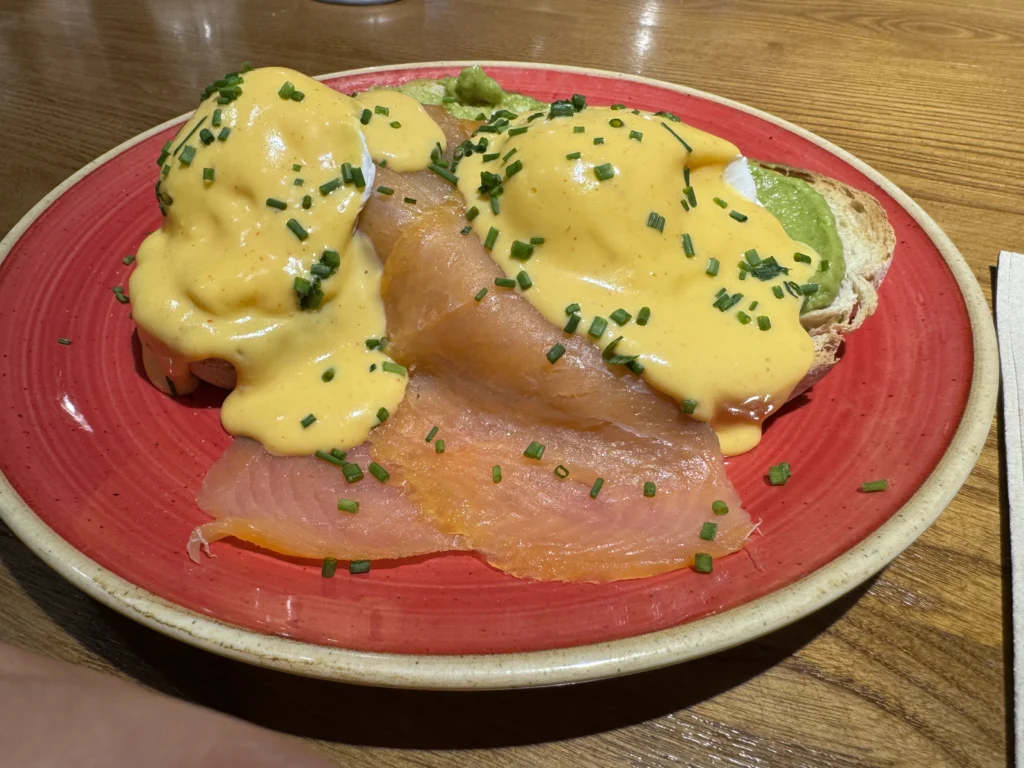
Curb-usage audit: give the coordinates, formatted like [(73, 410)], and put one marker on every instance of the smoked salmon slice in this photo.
[(290, 505)]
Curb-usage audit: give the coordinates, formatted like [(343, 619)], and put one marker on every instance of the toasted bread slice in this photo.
[(868, 244)]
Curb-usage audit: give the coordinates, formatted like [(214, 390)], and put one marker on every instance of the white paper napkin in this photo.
[(1010, 327)]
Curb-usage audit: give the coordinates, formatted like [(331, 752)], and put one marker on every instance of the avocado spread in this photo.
[(803, 213), (472, 94), (806, 217)]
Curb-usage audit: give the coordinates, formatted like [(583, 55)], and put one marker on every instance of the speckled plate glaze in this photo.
[(100, 470)]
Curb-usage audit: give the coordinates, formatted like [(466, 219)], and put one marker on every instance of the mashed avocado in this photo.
[(806, 217), (471, 94)]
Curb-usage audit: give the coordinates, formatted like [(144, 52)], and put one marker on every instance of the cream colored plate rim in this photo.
[(587, 662)]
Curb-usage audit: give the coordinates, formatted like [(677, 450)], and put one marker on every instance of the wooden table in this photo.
[(910, 670)]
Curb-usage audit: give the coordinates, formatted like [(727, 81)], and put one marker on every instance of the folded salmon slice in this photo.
[(290, 505)]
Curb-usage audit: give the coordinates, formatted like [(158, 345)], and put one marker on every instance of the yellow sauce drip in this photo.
[(217, 280), (600, 252), (405, 136)]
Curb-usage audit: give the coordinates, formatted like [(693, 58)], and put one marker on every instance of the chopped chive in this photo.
[(432, 433), (650, 489), (752, 258), (395, 124), (286, 90), (127, 260), (537, 241), (346, 173), (753, 306), (505, 282), (495, 205), (524, 280), (597, 327), (689, 406), (823, 267), (599, 140), (378, 109), (357, 177), (534, 450), (518, 131), (443, 173), (708, 531), (561, 472), (686, 205), (439, 446), (480, 294), (379, 472), (64, 341), (386, 190), (491, 239), (764, 322), (534, 116), (520, 250), (472, 213), (743, 317), (273, 202), (298, 230), (596, 487), (719, 507), (572, 308), (779, 473), (119, 294), (686, 175), (636, 135), (329, 568), (680, 138), (327, 375), (720, 202), (357, 567), (390, 367), (331, 258), (688, 246), (574, 156), (554, 353), (656, 221), (308, 421), (224, 133), (329, 186), (352, 473), (513, 169), (496, 474), (616, 123), (777, 290), (206, 136), (573, 324), (874, 486), (802, 257), (409, 200), (703, 562), (712, 269), (604, 172), (643, 315), (620, 316), (347, 505), (737, 216), (189, 152), (491, 156), (618, 106), (297, 96), (382, 414), (579, 129), (364, 118), (207, 174), (691, 196), (808, 288), (330, 459)]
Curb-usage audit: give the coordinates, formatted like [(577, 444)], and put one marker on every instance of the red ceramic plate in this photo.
[(102, 470)]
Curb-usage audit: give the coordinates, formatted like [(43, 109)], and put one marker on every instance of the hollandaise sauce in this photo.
[(643, 234), (257, 263)]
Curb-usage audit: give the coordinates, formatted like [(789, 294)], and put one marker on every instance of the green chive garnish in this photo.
[(64, 341), (432, 433), (207, 174), (743, 317), (365, 116), (329, 568), (119, 294), (689, 406), (620, 316), (650, 489), (327, 375), (680, 138), (189, 152), (708, 531), (390, 367), (779, 473), (615, 123), (604, 172), (308, 421), (636, 135), (273, 202), (764, 322), (439, 446), (127, 260), (517, 131), (491, 239), (505, 282), (491, 156), (656, 221), (574, 156), (513, 169), (561, 472), (206, 136), (712, 269), (329, 186), (382, 414), (520, 250), (395, 124), (823, 267), (572, 308), (596, 487), (579, 129), (357, 177), (599, 140), (472, 213), (554, 353), (802, 257), (720, 202), (597, 327), (286, 90), (874, 486), (688, 246), (643, 315), (347, 505), (444, 173), (573, 324), (382, 110), (537, 241), (703, 562), (330, 458), (297, 229), (352, 473), (379, 472), (480, 294), (357, 567), (524, 280), (386, 190), (738, 216), (496, 474), (409, 200), (719, 507), (534, 450), (224, 133)]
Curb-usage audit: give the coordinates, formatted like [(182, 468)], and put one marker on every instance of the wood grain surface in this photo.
[(910, 670)]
